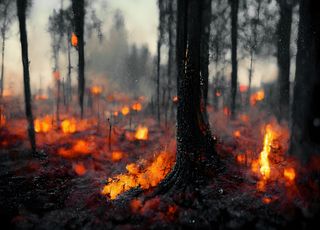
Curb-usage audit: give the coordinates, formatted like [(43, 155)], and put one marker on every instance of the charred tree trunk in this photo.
[(21, 9), (79, 14), (250, 78), (305, 137), (195, 144), (283, 55), (234, 61), (3, 34), (205, 37), (69, 94)]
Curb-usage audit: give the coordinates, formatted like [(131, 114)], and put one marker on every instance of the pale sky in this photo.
[(141, 17)]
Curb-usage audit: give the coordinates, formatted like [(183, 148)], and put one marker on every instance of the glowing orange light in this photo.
[(41, 97), (258, 96), (79, 169), (56, 75), (289, 174), (74, 40), (2, 119), (116, 156), (264, 160), (43, 125), (141, 133), (226, 111), (136, 106), (241, 158), (175, 99), (138, 177), (7, 93), (96, 90), (125, 110), (69, 126), (237, 134), (115, 113), (243, 88), (218, 93)]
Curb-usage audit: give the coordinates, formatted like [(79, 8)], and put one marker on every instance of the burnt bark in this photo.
[(234, 61), (283, 58), (78, 7), (205, 38), (195, 145), (21, 9), (305, 133)]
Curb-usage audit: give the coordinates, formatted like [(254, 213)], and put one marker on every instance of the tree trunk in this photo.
[(234, 61), (194, 141), (2, 64), (305, 133), (205, 37), (69, 94), (21, 9), (79, 14), (283, 55), (250, 78)]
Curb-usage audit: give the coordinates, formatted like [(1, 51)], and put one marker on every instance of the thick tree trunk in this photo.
[(283, 55), (194, 141), (79, 14), (305, 133), (21, 9), (234, 60)]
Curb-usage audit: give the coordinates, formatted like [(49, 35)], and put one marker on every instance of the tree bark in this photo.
[(283, 58), (69, 94), (234, 61), (305, 133), (194, 141), (79, 15), (21, 9)]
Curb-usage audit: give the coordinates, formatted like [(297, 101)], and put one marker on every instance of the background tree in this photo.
[(234, 61), (21, 10), (7, 14), (305, 131)]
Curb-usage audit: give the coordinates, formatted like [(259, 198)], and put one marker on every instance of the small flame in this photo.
[(96, 90), (56, 75), (141, 133), (43, 125), (289, 174), (237, 134), (2, 120), (74, 40), (116, 156), (175, 99), (79, 169), (136, 176), (136, 106), (258, 96), (69, 126), (263, 160), (115, 113), (218, 93), (125, 110)]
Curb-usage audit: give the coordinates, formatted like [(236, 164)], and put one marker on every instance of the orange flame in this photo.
[(74, 40), (116, 156), (289, 174), (43, 125), (175, 99), (69, 126), (80, 147), (96, 90), (79, 169), (258, 96), (2, 120), (141, 133), (56, 75), (125, 110), (136, 106), (138, 177), (263, 160)]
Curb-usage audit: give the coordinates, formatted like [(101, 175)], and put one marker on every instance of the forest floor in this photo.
[(57, 191)]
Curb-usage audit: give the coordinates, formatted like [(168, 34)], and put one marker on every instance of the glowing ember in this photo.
[(141, 133), (236, 134), (136, 106), (241, 158), (79, 169), (138, 177), (43, 125), (258, 96), (243, 88), (226, 111), (115, 113), (80, 147), (289, 174), (69, 126), (125, 110), (218, 93), (96, 90), (175, 99), (116, 156), (2, 119), (74, 40)]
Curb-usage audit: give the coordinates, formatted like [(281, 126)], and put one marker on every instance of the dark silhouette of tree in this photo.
[(195, 145), (21, 10), (7, 13), (78, 7), (305, 133), (283, 57), (234, 61)]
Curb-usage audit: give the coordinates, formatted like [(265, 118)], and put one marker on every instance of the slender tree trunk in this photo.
[(79, 14), (283, 55), (21, 8), (305, 133), (234, 60), (69, 94), (2, 64), (205, 37), (158, 80), (250, 78)]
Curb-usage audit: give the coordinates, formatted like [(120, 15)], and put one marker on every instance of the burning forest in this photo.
[(160, 114)]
